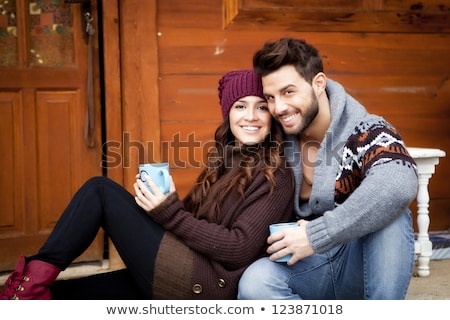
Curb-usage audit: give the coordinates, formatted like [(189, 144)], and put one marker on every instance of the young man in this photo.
[(354, 182)]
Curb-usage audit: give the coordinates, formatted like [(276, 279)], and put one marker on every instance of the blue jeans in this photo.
[(376, 266)]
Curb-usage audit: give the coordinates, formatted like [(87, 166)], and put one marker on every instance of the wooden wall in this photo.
[(391, 55)]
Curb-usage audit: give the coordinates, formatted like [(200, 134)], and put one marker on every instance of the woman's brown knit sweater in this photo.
[(202, 260)]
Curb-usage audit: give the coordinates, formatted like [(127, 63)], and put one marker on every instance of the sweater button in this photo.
[(221, 283), (196, 288)]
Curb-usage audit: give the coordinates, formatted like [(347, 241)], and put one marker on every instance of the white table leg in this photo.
[(423, 243), (426, 160)]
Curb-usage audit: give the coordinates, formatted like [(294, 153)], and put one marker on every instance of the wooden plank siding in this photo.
[(399, 70), (391, 55)]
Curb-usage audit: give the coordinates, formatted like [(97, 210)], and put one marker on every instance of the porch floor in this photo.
[(434, 287)]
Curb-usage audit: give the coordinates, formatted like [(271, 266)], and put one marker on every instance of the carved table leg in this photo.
[(423, 223), (426, 160), (423, 245)]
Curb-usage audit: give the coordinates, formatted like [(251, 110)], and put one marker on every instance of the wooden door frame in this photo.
[(131, 97)]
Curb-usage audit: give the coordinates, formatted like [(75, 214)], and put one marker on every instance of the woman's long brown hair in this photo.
[(206, 197)]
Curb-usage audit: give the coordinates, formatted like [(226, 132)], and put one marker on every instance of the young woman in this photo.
[(195, 248)]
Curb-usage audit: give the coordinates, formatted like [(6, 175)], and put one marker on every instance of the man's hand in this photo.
[(290, 241)]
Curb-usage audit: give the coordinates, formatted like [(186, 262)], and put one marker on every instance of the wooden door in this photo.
[(45, 157)]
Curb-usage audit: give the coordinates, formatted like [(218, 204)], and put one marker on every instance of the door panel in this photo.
[(10, 140), (55, 114), (43, 75)]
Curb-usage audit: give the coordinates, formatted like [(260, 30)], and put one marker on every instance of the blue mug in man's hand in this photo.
[(280, 226)]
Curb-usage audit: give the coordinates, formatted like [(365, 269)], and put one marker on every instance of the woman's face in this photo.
[(250, 120)]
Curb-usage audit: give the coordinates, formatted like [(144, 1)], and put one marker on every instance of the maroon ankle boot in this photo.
[(30, 281)]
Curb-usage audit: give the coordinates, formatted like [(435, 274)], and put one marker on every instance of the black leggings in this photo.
[(102, 203)]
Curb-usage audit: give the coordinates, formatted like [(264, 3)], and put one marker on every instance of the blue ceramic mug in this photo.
[(158, 172), (280, 226)]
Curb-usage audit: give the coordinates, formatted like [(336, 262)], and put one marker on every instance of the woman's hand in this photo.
[(147, 200)]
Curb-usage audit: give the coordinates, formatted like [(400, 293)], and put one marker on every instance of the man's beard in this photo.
[(307, 117)]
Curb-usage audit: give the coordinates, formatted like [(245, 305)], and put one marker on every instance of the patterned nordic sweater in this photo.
[(364, 176)]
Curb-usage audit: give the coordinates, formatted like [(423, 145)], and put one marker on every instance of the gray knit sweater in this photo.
[(364, 176)]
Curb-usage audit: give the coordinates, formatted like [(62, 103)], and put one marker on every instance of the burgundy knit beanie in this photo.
[(237, 84)]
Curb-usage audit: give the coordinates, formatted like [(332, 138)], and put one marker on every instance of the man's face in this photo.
[(291, 99)]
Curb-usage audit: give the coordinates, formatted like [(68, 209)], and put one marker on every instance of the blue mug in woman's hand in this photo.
[(158, 172)]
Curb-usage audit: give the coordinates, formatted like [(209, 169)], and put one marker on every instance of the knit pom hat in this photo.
[(237, 84)]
